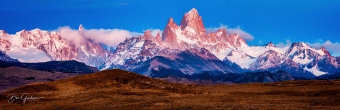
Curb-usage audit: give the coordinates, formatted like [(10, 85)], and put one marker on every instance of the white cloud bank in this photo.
[(246, 36), (109, 37), (155, 31), (332, 47), (29, 54), (71, 35), (281, 44)]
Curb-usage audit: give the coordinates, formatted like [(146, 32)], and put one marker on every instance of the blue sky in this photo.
[(312, 21)]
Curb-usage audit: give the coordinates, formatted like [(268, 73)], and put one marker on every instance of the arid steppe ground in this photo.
[(117, 89), (12, 77)]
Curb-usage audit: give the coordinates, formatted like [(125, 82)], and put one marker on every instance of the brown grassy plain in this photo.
[(117, 89)]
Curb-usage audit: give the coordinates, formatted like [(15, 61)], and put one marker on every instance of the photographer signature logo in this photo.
[(24, 97)]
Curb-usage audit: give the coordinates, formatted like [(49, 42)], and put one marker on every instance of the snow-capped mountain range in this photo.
[(186, 47)]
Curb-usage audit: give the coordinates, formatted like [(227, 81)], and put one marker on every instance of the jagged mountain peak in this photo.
[(223, 30), (193, 11), (299, 44), (271, 52), (169, 34), (22, 31), (81, 28), (194, 21), (148, 35), (192, 14), (191, 33), (269, 59), (5, 44), (33, 31), (301, 47), (269, 44), (171, 22), (2, 32), (158, 39), (158, 35), (325, 51)]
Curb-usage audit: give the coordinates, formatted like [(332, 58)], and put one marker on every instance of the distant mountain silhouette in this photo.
[(71, 66)]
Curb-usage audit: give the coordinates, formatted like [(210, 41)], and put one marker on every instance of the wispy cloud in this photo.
[(71, 35), (155, 31), (245, 35), (281, 44), (333, 47), (27, 54), (109, 37)]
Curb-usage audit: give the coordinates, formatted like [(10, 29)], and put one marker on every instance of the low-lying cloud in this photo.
[(333, 47), (27, 54), (281, 44), (71, 35), (109, 37), (155, 31), (246, 36)]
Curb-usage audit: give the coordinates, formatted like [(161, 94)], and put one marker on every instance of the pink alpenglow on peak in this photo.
[(193, 20), (169, 33), (325, 51), (39, 45), (191, 33), (148, 35), (5, 44), (81, 28), (158, 39)]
